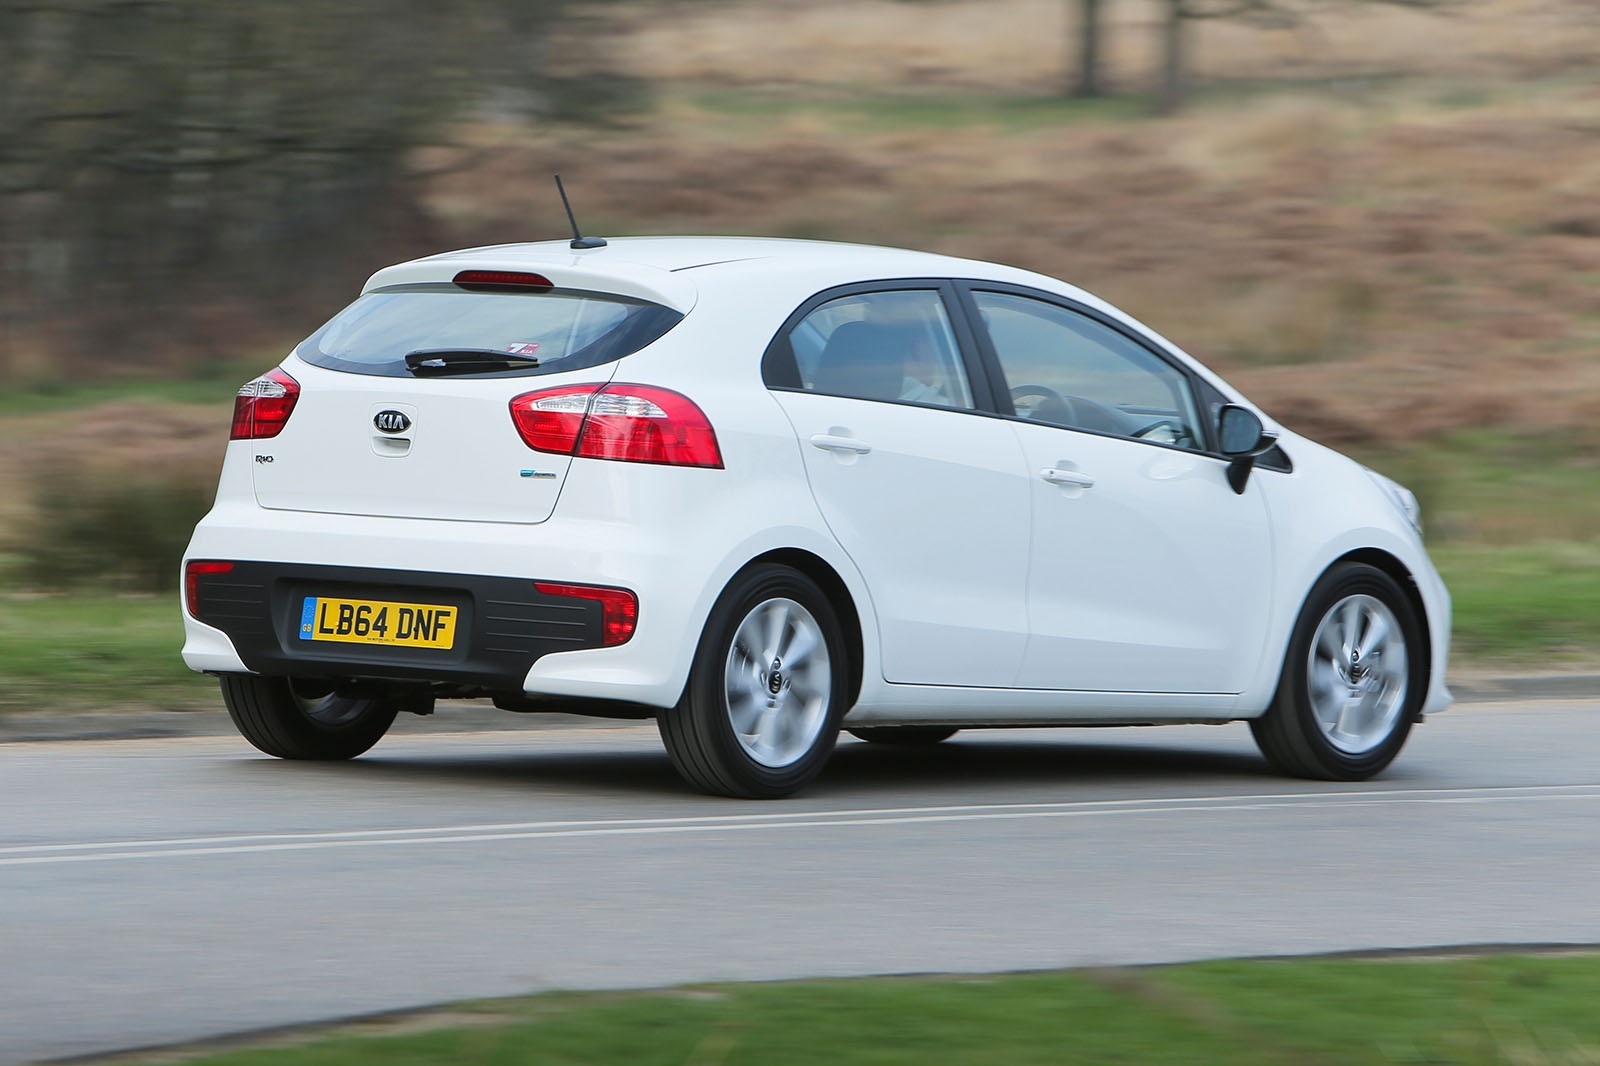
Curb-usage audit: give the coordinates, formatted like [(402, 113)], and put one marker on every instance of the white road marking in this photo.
[(95, 851)]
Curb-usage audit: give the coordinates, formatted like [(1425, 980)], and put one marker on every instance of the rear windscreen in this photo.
[(558, 329)]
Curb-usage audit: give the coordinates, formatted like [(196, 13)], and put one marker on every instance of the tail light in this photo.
[(551, 419), (631, 423), (619, 608), (191, 580), (264, 405)]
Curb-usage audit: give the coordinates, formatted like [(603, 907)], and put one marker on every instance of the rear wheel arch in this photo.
[(760, 713), (844, 605)]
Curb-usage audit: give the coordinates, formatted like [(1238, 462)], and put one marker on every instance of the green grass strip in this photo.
[(214, 384), (1533, 605), (1322, 1011), (96, 653)]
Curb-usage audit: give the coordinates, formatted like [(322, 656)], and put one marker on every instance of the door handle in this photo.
[(830, 443), (1057, 476)]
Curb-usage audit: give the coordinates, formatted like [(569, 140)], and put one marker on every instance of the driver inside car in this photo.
[(922, 379)]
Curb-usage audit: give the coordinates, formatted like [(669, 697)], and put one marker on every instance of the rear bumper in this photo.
[(502, 626), (675, 564)]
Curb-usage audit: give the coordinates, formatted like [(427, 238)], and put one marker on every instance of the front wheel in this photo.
[(302, 719), (761, 712), (1352, 681)]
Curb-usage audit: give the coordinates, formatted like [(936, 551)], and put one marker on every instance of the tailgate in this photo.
[(458, 457)]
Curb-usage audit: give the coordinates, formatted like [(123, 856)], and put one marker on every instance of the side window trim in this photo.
[(984, 397), (780, 372), (996, 373)]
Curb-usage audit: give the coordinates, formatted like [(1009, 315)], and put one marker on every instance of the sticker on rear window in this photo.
[(522, 347)]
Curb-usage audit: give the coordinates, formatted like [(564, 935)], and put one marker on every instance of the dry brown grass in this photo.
[(1386, 267), (137, 441), (1021, 45), (1382, 260)]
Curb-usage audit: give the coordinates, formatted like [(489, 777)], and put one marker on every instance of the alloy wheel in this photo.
[(777, 682), (1358, 674)]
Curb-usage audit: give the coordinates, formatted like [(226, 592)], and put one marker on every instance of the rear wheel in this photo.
[(1352, 681), (300, 719), (917, 735), (761, 712)]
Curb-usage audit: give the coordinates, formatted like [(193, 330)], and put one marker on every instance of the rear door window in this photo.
[(893, 346), (560, 330)]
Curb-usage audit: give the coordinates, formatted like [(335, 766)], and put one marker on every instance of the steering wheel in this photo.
[(1180, 431), (1043, 393)]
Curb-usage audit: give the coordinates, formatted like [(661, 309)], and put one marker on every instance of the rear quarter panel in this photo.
[(693, 530)]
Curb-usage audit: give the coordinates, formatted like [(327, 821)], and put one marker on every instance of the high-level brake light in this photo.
[(630, 423), (263, 406), (501, 279)]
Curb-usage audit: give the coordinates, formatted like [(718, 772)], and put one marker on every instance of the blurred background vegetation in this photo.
[(1379, 219)]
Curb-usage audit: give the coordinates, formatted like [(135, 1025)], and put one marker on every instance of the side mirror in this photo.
[(1242, 439)]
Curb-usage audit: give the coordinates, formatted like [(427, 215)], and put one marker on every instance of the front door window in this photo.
[(1065, 369)]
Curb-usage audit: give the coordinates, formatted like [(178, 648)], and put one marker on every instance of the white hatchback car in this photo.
[(761, 490)]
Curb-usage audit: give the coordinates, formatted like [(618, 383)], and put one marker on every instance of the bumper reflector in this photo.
[(619, 608), (191, 581)]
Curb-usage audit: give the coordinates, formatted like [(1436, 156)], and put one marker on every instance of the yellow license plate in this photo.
[(405, 625)]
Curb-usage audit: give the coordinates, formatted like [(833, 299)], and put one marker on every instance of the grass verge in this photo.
[(1533, 604), (96, 653), (1490, 487), (214, 384), (1477, 1010)]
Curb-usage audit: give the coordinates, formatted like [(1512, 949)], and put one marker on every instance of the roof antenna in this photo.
[(578, 239)]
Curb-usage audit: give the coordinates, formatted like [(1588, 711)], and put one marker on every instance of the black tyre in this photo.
[(761, 712), (1352, 681), (916, 735), (303, 719)]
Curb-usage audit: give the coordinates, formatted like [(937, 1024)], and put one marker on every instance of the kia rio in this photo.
[(762, 491)]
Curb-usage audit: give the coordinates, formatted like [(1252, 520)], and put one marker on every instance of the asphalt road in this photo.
[(155, 891)]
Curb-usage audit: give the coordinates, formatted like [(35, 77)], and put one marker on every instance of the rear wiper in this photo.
[(435, 362)]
